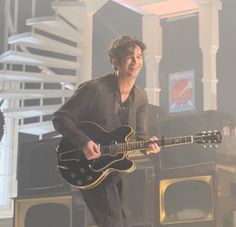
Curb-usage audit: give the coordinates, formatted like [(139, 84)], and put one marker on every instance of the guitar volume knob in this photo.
[(82, 170), (73, 175), (89, 178)]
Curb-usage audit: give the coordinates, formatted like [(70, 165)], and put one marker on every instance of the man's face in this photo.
[(131, 64)]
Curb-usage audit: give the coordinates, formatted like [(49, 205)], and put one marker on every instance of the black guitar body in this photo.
[(85, 174)]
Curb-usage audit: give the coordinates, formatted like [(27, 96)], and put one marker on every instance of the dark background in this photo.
[(180, 49)]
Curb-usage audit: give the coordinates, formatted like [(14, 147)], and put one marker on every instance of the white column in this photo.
[(85, 72), (152, 37), (92, 6), (209, 44)]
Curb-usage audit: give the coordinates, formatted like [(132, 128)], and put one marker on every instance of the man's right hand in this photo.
[(91, 150)]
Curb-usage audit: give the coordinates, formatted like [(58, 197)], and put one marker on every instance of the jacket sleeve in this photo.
[(75, 110)]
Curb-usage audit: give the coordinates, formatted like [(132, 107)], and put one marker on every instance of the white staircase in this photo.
[(23, 76), (43, 65), (57, 26), (23, 58), (35, 40)]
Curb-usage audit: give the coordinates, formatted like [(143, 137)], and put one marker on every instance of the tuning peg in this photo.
[(204, 146), (210, 146), (216, 146)]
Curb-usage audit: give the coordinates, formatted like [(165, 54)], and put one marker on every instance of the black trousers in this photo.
[(108, 202)]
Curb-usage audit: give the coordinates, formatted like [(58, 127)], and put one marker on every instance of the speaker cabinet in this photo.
[(192, 124), (59, 211), (141, 192), (155, 115), (197, 196), (37, 169)]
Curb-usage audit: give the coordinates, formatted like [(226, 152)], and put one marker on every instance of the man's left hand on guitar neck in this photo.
[(153, 147)]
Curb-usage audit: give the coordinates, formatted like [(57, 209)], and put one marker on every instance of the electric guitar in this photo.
[(115, 150)]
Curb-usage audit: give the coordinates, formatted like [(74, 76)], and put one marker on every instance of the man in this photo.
[(109, 101)]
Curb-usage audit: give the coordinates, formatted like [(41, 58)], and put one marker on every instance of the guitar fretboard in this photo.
[(175, 141), (113, 149)]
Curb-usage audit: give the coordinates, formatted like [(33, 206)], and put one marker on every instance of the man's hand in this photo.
[(153, 147), (91, 150)]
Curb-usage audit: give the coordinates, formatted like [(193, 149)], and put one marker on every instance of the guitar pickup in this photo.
[(70, 156)]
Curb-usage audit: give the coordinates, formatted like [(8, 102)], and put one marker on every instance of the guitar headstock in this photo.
[(210, 137)]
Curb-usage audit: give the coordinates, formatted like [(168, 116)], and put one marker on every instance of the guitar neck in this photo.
[(142, 145), (173, 141)]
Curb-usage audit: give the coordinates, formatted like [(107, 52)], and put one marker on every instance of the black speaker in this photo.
[(192, 124), (142, 187), (155, 115), (37, 169)]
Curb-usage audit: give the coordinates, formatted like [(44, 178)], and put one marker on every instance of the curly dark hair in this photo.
[(124, 46)]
